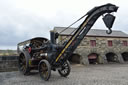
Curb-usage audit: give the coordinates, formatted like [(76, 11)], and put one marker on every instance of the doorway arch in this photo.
[(125, 56), (93, 58), (75, 58), (111, 57)]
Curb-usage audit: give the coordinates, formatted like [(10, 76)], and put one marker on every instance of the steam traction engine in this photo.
[(45, 55)]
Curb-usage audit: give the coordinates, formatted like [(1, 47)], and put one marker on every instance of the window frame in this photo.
[(125, 43), (110, 43), (93, 43)]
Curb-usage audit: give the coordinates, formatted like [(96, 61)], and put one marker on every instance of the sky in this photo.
[(21, 20)]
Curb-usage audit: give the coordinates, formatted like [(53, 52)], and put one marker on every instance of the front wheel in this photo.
[(65, 69), (44, 70)]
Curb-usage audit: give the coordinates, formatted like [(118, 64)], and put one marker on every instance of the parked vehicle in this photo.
[(46, 55)]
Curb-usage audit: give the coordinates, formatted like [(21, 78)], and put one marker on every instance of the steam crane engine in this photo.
[(45, 55)]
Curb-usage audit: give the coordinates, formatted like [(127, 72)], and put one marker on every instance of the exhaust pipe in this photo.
[(53, 36)]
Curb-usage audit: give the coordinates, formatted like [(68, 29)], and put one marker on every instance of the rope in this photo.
[(69, 27), (72, 23)]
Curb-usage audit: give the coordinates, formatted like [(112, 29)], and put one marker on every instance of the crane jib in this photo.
[(68, 45), (86, 25)]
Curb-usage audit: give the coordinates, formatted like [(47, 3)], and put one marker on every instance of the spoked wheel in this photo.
[(65, 69), (44, 70), (23, 64)]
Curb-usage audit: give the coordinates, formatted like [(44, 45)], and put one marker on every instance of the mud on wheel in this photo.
[(23, 64), (65, 69), (44, 70)]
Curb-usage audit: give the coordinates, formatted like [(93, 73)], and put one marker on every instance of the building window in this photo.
[(110, 43), (93, 43), (125, 43)]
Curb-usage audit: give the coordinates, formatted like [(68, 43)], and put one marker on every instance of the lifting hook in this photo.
[(109, 31), (109, 20)]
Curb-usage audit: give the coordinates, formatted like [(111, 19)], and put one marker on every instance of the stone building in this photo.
[(98, 47)]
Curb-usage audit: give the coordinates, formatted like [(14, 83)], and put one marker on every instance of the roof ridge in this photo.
[(90, 29), (64, 27), (94, 32)]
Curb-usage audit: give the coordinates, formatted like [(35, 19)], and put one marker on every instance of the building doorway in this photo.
[(75, 59), (125, 56), (112, 57), (93, 58)]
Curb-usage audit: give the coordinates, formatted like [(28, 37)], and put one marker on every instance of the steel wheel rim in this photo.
[(22, 63), (44, 70), (65, 68)]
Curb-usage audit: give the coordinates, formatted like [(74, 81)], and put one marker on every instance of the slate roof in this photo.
[(93, 32)]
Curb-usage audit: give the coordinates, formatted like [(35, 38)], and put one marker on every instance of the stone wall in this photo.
[(101, 48), (8, 63)]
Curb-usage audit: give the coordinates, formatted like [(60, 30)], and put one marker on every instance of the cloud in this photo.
[(24, 19), (18, 25)]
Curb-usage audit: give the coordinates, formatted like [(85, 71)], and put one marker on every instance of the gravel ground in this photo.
[(110, 74)]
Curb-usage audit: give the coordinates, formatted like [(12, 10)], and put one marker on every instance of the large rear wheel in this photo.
[(65, 69), (44, 70), (23, 64)]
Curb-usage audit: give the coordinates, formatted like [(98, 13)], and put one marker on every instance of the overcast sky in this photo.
[(24, 19)]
